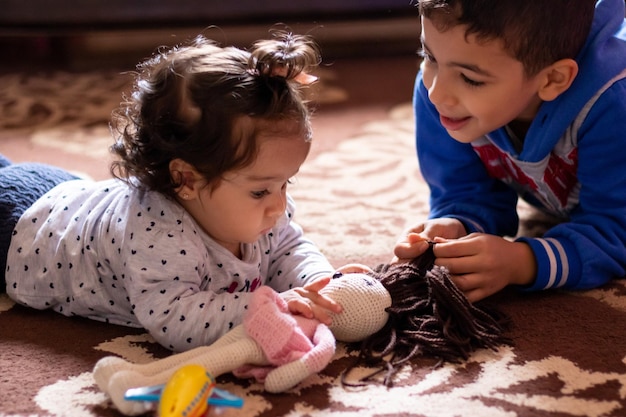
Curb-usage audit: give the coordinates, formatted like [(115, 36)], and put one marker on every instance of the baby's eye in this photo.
[(426, 56), (290, 181), (259, 194)]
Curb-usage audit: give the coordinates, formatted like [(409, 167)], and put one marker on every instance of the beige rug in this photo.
[(355, 194)]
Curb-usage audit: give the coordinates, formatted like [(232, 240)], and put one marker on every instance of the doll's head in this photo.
[(364, 300), (428, 316)]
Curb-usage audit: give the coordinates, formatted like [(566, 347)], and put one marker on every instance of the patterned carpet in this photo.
[(355, 193)]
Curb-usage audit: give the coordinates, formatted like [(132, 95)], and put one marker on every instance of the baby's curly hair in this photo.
[(206, 105)]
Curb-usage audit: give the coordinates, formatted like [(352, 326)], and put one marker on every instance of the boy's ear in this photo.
[(557, 78), (187, 176)]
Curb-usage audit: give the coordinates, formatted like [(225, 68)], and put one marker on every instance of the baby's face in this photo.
[(476, 86), (249, 202), (364, 300)]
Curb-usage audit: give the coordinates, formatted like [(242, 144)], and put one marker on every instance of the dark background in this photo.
[(80, 34)]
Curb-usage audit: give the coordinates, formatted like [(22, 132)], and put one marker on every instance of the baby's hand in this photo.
[(354, 269), (308, 302)]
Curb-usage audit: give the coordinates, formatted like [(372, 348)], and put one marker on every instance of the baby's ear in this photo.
[(557, 78), (186, 177)]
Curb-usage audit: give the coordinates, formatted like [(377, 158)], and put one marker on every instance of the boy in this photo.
[(522, 98)]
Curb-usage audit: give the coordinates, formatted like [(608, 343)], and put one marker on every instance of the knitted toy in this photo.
[(429, 316), (403, 311), (277, 347)]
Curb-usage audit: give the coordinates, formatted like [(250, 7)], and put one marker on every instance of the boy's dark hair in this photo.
[(535, 32), (207, 105)]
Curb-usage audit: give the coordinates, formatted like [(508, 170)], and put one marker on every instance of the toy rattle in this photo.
[(189, 392)]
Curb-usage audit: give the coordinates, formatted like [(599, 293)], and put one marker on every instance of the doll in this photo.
[(294, 346), (401, 310), (429, 316)]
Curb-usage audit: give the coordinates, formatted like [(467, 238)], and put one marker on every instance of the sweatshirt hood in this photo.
[(602, 58)]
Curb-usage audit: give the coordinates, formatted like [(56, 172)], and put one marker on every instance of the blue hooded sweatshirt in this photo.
[(571, 166)]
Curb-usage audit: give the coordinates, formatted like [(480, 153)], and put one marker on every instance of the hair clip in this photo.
[(302, 78)]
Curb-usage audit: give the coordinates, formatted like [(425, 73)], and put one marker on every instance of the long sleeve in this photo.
[(138, 259), (208, 290), (295, 260), (590, 248)]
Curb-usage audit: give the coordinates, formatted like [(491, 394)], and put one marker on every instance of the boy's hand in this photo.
[(481, 265), (308, 302), (415, 241)]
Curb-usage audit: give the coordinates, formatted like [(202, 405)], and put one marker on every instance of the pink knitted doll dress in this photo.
[(284, 337)]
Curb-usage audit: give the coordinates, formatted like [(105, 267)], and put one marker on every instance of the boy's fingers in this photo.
[(408, 250), (414, 238)]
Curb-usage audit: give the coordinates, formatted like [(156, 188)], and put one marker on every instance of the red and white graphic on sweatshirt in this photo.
[(553, 180)]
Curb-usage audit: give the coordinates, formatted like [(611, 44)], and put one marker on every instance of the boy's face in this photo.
[(248, 202), (475, 85)]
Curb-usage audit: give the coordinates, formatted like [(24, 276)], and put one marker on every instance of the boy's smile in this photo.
[(476, 86)]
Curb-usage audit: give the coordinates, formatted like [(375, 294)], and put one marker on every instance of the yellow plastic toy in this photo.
[(188, 393)]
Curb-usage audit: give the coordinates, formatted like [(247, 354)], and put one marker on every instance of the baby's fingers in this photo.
[(300, 307), (323, 301), (309, 310), (317, 285), (354, 268), (311, 291), (321, 314)]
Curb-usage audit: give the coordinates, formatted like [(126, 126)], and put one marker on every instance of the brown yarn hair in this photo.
[(428, 316), (535, 32), (207, 105)]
